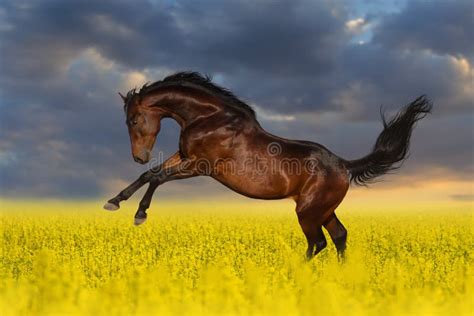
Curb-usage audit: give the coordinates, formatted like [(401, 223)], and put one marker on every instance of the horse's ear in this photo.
[(123, 98)]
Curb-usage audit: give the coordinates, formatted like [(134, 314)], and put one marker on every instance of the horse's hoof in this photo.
[(139, 221), (111, 207)]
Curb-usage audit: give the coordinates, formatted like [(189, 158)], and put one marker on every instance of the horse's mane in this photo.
[(193, 79)]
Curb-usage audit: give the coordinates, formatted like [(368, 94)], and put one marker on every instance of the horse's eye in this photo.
[(134, 122)]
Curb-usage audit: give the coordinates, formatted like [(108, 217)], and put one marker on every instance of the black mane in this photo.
[(194, 79)]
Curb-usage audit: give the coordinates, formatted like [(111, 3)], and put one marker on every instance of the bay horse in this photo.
[(221, 138)]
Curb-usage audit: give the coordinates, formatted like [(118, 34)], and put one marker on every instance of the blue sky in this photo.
[(314, 70)]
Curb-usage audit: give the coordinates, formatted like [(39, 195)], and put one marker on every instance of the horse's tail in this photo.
[(391, 147)]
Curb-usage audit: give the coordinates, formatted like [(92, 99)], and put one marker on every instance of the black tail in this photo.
[(391, 147)]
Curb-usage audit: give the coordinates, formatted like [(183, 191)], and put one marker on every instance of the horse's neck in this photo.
[(185, 113)]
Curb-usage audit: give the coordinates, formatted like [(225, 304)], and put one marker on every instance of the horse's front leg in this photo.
[(140, 215), (181, 170), (114, 203)]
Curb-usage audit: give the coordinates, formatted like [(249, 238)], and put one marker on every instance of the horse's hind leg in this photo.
[(311, 224), (338, 234), (314, 236), (315, 207)]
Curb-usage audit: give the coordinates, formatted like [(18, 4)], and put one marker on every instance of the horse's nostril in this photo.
[(139, 160)]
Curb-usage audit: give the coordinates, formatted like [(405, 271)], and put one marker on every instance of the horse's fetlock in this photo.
[(140, 214), (320, 245), (340, 242)]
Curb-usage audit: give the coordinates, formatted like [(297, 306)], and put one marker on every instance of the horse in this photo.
[(222, 138)]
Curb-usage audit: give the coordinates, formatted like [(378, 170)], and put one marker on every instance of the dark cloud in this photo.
[(445, 27), (62, 62), (376, 76)]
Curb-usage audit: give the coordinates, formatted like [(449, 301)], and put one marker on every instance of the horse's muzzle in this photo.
[(143, 158), (140, 160)]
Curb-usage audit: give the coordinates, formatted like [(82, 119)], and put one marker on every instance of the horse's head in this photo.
[(143, 125)]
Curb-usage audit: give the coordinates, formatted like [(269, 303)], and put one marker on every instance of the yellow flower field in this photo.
[(209, 258)]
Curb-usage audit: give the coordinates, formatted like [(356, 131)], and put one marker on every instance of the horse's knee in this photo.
[(145, 177)]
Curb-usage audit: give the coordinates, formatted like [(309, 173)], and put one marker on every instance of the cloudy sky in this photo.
[(314, 70)]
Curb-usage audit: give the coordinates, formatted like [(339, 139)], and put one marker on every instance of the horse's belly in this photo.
[(256, 185)]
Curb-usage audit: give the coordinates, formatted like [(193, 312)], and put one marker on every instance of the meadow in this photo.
[(204, 258)]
